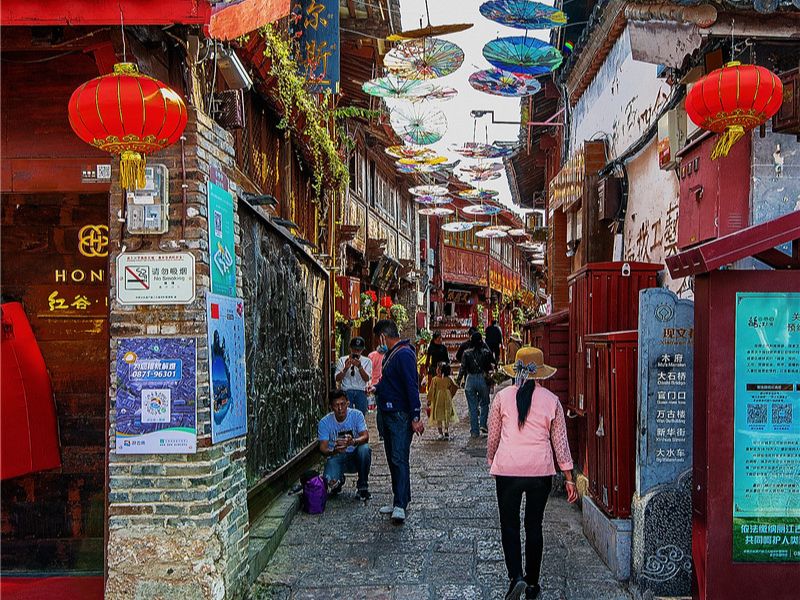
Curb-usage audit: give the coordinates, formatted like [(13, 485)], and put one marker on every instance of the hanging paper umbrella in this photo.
[(429, 190), (440, 168), (505, 228), (428, 31), (395, 87), (523, 14), (407, 151), (458, 226), (478, 194), (482, 168), (433, 200), (417, 125), (518, 54), (436, 212), (482, 209), (491, 233), (427, 58), (478, 150), (405, 169), (516, 232), (425, 159), (483, 176), (440, 93), (503, 83)]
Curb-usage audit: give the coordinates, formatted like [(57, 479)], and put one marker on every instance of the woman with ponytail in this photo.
[(526, 426)]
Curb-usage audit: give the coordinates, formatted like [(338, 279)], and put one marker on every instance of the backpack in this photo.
[(315, 493)]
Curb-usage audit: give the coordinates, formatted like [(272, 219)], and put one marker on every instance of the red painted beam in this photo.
[(231, 21), (104, 12)]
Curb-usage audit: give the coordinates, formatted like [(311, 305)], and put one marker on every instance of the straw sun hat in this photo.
[(529, 364)]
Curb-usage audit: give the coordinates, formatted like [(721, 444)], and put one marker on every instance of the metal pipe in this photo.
[(183, 187)]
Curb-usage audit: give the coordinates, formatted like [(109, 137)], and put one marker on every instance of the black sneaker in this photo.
[(515, 589), (364, 494), (532, 591), (335, 489)]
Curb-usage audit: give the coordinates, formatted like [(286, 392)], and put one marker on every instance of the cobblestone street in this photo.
[(449, 547)]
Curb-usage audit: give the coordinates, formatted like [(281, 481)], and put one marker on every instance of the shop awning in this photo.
[(758, 241)]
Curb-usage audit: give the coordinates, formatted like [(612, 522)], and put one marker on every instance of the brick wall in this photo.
[(178, 524)]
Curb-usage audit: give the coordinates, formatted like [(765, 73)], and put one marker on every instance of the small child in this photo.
[(440, 400)]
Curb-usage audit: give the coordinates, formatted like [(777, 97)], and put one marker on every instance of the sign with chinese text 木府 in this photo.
[(226, 361), (766, 454), (156, 397), (315, 28), (666, 385), (155, 278), (221, 247)]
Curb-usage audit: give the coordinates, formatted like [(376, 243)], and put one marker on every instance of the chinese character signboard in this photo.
[(315, 28), (221, 247), (226, 362), (156, 396), (155, 278), (666, 367), (766, 457)]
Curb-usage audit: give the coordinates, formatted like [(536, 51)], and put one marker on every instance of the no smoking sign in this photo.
[(155, 278)]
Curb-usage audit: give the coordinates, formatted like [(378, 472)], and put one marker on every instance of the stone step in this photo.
[(268, 530)]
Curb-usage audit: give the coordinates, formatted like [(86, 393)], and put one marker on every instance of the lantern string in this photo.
[(122, 31)]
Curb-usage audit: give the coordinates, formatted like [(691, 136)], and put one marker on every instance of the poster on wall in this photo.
[(156, 396), (221, 247), (766, 456), (226, 360)]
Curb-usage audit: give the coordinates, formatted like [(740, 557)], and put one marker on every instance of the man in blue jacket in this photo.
[(399, 406)]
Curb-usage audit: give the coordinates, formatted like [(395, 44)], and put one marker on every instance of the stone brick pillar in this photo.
[(177, 524)]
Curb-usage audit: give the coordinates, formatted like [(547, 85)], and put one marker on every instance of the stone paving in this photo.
[(449, 547)]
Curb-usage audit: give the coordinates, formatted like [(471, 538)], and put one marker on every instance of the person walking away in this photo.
[(465, 344), (353, 371), (437, 353), (526, 426), (514, 344), (477, 365), (344, 442), (399, 407), (376, 358), (494, 339), (440, 400)]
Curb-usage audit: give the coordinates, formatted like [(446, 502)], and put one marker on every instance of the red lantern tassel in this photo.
[(729, 137), (131, 170)]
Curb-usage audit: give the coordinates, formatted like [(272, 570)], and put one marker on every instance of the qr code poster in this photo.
[(766, 458)]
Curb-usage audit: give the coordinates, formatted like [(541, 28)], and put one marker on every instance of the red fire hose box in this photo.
[(28, 427)]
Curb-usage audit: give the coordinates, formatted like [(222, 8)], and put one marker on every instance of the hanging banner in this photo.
[(226, 362), (156, 396), (766, 456), (221, 246), (314, 26)]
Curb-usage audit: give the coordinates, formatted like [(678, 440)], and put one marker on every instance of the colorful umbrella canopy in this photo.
[(428, 31), (483, 176), (478, 150), (395, 87), (425, 159), (491, 232), (418, 125), (440, 93), (523, 14), (435, 168), (426, 58), (408, 151), (516, 232), (482, 209), (503, 83), (429, 190), (522, 55), (458, 226), (483, 167), (478, 194), (433, 200), (436, 212)]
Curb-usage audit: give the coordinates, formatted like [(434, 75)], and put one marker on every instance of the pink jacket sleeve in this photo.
[(558, 436), (495, 423)]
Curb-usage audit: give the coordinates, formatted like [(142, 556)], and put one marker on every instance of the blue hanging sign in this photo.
[(315, 28)]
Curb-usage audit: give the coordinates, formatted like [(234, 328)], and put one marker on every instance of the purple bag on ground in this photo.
[(315, 493)]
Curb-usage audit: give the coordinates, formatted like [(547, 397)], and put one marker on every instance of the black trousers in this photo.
[(509, 500)]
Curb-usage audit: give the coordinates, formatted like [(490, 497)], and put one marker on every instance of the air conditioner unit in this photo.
[(671, 137), (609, 195)]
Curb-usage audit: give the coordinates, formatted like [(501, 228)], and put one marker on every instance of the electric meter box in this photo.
[(671, 137), (147, 210)]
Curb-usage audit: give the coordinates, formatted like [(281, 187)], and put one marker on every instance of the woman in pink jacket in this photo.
[(526, 424)]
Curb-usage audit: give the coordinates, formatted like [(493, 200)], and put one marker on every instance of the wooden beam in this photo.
[(777, 259)]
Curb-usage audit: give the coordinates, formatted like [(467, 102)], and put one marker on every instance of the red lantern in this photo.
[(386, 302), (373, 296), (733, 99), (129, 114)]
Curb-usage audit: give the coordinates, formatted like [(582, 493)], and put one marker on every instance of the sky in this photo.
[(457, 110)]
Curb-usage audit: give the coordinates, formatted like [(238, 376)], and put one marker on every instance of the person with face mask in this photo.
[(353, 373), (399, 409)]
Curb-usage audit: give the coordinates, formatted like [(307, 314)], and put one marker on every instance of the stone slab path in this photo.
[(449, 547)]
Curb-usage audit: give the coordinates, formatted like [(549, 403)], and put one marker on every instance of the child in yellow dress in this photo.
[(440, 400)]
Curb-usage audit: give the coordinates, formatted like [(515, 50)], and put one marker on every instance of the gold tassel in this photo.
[(726, 141), (131, 170)]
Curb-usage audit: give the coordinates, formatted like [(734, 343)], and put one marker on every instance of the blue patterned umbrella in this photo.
[(503, 83), (522, 55), (523, 14)]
